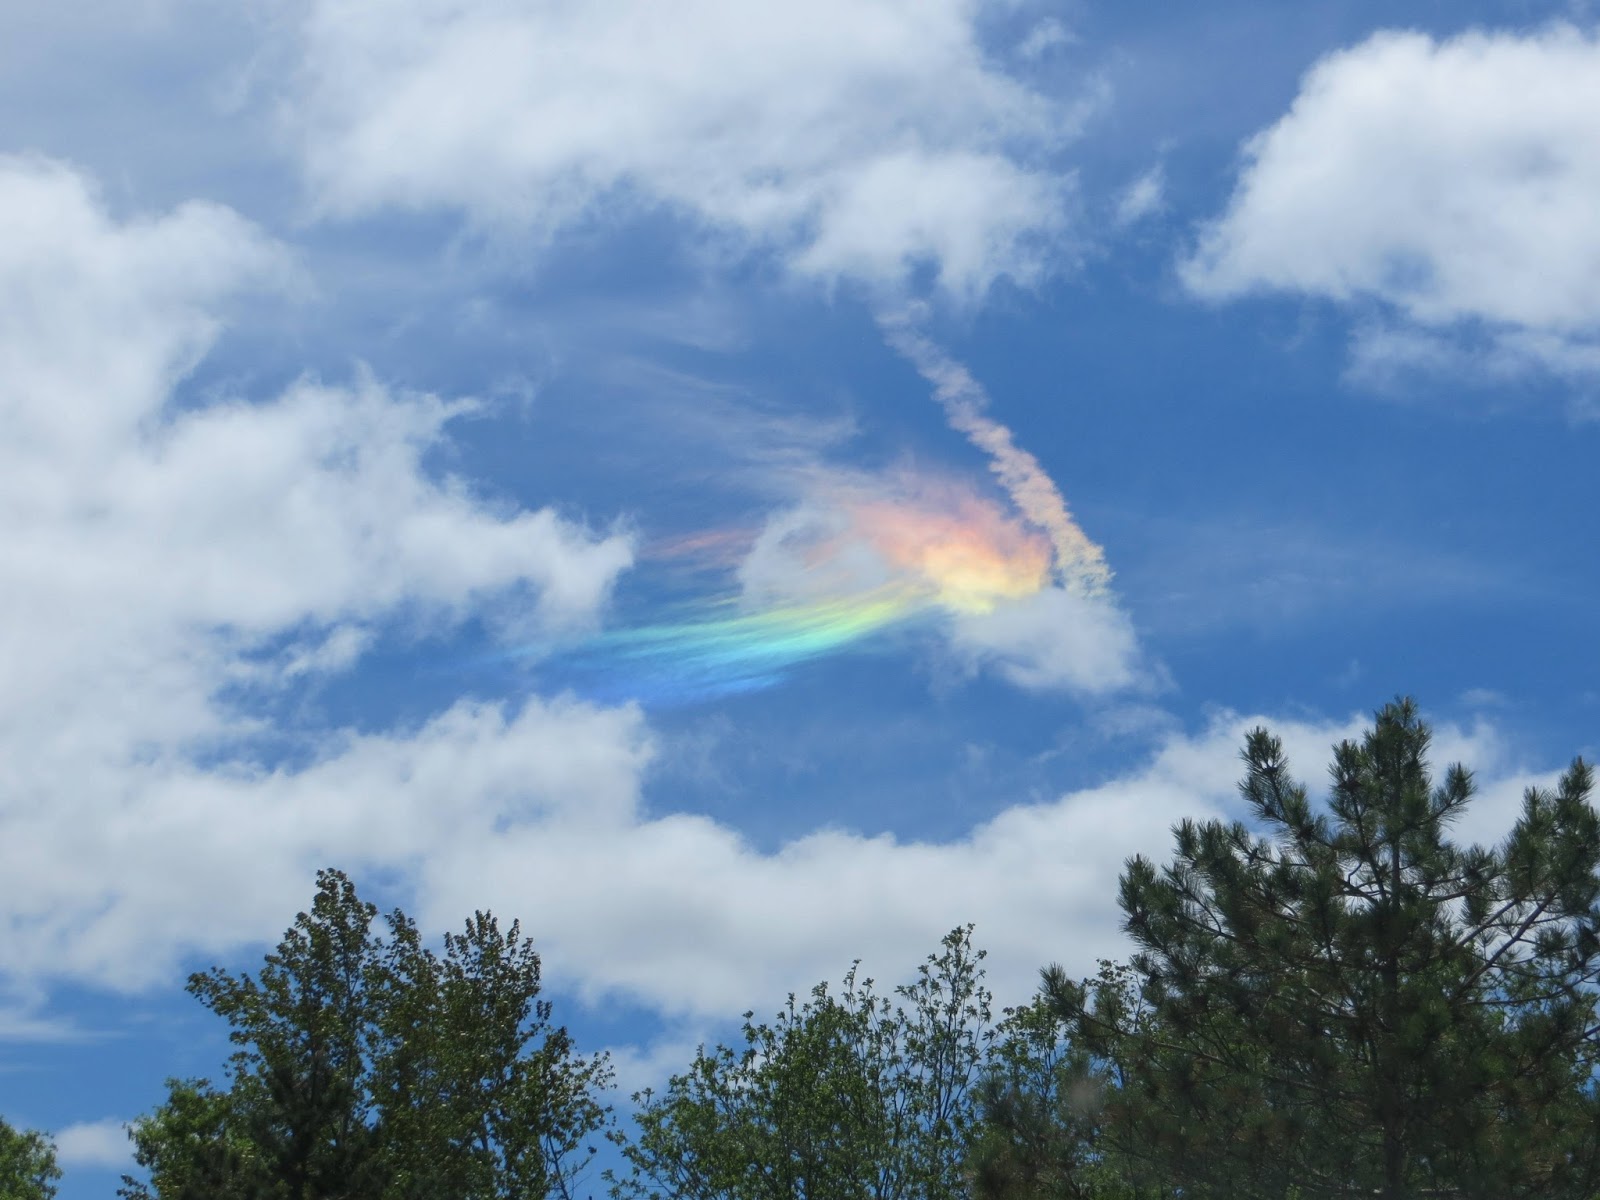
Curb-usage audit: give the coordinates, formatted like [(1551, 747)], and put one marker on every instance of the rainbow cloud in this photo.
[(859, 557), (1081, 565)]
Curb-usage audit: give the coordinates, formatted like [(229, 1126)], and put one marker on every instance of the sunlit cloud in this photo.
[(1080, 564), (857, 564)]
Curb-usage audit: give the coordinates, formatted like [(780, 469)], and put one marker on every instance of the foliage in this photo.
[(1354, 1004), (847, 1096), (28, 1169), (1051, 1111), (373, 1067)]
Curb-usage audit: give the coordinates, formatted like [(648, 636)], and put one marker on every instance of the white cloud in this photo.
[(131, 865), (161, 554), (1144, 197), (691, 919), (1054, 639), (1502, 779), (101, 1145), (1451, 181), (1385, 355), (855, 138), (697, 924), (1047, 36), (1497, 804), (163, 557), (21, 1022)]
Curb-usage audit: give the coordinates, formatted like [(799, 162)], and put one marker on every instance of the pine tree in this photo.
[(1347, 1002)]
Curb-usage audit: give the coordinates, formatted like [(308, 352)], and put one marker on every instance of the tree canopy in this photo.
[(370, 1066), (854, 1096), (28, 1169), (1344, 1001)]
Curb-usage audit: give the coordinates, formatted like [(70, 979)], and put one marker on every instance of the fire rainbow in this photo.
[(858, 558)]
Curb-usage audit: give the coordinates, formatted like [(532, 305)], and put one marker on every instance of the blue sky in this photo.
[(646, 470)]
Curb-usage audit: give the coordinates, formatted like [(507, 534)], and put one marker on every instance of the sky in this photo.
[(745, 487)]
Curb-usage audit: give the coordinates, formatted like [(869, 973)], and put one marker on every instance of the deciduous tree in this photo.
[(370, 1066), (843, 1096), (28, 1169)]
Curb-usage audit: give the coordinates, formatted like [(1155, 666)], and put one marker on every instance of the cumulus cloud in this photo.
[(1053, 639), (1451, 182), (169, 560), (101, 1145), (854, 138), (166, 561), (695, 921), (106, 870)]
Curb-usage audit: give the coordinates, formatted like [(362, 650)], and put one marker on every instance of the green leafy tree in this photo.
[(480, 1095), (842, 1096), (370, 1066), (1352, 1004), (197, 1146), (28, 1169)]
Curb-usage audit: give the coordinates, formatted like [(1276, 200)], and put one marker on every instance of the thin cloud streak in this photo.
[(1080, 563)]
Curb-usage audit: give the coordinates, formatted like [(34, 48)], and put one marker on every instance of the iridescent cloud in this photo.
[(1080, 563), (859, 556)]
